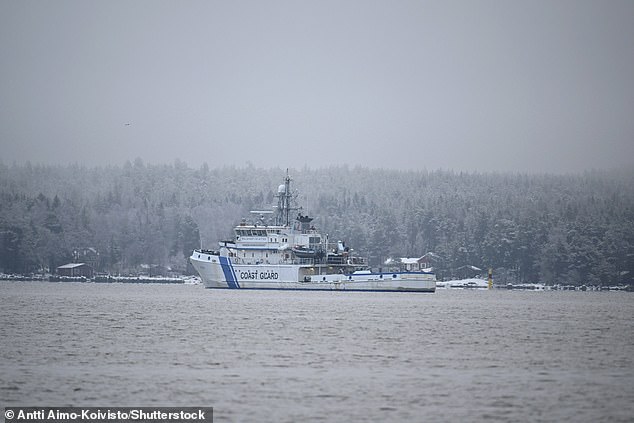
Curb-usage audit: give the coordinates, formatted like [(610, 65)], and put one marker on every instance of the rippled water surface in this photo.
[(320, 356)]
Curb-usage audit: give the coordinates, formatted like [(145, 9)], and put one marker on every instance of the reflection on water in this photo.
[(320, 356)]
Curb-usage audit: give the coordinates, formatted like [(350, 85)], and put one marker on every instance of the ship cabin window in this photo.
[(251, 232), (314, 240)]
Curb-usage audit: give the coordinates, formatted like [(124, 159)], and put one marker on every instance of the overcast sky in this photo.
[(538, 86)]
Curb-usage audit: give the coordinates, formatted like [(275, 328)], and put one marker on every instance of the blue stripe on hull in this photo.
[(228, 271), (233, 273)]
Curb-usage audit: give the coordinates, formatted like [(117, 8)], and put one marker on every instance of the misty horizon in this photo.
[(177, 162)]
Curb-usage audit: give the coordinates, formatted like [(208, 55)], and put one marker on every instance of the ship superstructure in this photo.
[(281, 249)]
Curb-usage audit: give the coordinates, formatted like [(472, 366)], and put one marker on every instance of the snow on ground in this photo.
[(463, 283)]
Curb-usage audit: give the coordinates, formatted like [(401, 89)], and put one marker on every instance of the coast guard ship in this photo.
[(281, 250)]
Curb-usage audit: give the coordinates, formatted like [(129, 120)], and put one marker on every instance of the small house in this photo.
[(466, 272), (426, 263), (75, 270)]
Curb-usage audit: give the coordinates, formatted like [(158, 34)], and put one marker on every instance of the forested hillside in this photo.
[(576, 229)]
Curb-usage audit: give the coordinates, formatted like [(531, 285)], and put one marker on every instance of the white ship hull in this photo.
[(220, 272), (279, 252)]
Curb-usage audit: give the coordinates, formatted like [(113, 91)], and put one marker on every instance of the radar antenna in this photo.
[(284, 199)]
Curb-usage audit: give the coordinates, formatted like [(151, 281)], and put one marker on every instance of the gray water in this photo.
[(320, 356)]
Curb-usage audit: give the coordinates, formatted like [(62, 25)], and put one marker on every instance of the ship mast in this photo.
[(284, 197)]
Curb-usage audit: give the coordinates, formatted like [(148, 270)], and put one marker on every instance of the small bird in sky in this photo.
[(127, 124)]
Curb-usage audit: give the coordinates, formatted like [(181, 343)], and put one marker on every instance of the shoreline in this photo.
[(185, 280)]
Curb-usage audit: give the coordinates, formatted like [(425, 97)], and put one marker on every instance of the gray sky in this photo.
[(544, 86)]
